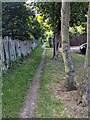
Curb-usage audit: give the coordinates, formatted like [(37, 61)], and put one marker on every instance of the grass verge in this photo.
[(53, 73), (16, 83)]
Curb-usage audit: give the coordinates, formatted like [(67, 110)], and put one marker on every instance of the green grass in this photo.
[(0, 98), (16, 83), (78, 60), (54, 73), (0, 90), (18, 79)]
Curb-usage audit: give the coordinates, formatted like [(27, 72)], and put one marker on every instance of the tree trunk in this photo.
[(69, 67), (56, 46), (88, 58), (57, 30), (84, 87)]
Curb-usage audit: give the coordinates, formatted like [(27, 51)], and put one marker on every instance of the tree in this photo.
[(51, 11), (81, 9), (69, 67), (84, 90), (19, 21), (88, 59)]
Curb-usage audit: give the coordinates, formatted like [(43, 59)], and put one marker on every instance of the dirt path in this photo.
[(31, 100)]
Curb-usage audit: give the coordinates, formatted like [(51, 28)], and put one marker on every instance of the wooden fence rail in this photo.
[(13, 49)]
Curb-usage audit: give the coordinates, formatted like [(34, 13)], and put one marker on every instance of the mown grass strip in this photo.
[(53, 73), (16, 83)]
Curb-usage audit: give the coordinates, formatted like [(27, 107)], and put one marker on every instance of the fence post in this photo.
[(18, 48), (6, 47), (2, 55), (14, 51), (11, 50)]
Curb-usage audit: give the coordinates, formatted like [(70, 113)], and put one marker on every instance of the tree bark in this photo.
[(84, 88), (56, 45), (88, 58), (69, 67), (56, 34), (54, 31)]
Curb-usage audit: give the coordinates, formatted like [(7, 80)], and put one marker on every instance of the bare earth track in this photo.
[(31, 100)]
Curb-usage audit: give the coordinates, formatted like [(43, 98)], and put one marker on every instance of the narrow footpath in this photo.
[(31, 100)]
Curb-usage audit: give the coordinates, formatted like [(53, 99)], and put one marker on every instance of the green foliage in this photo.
[(78, 19), (78, 13), (50, 39), (47, 45), (51, 12), (19, 21), (76, 31)]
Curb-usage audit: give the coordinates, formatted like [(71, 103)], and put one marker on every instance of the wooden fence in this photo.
[(77, 41), (13, 49)]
